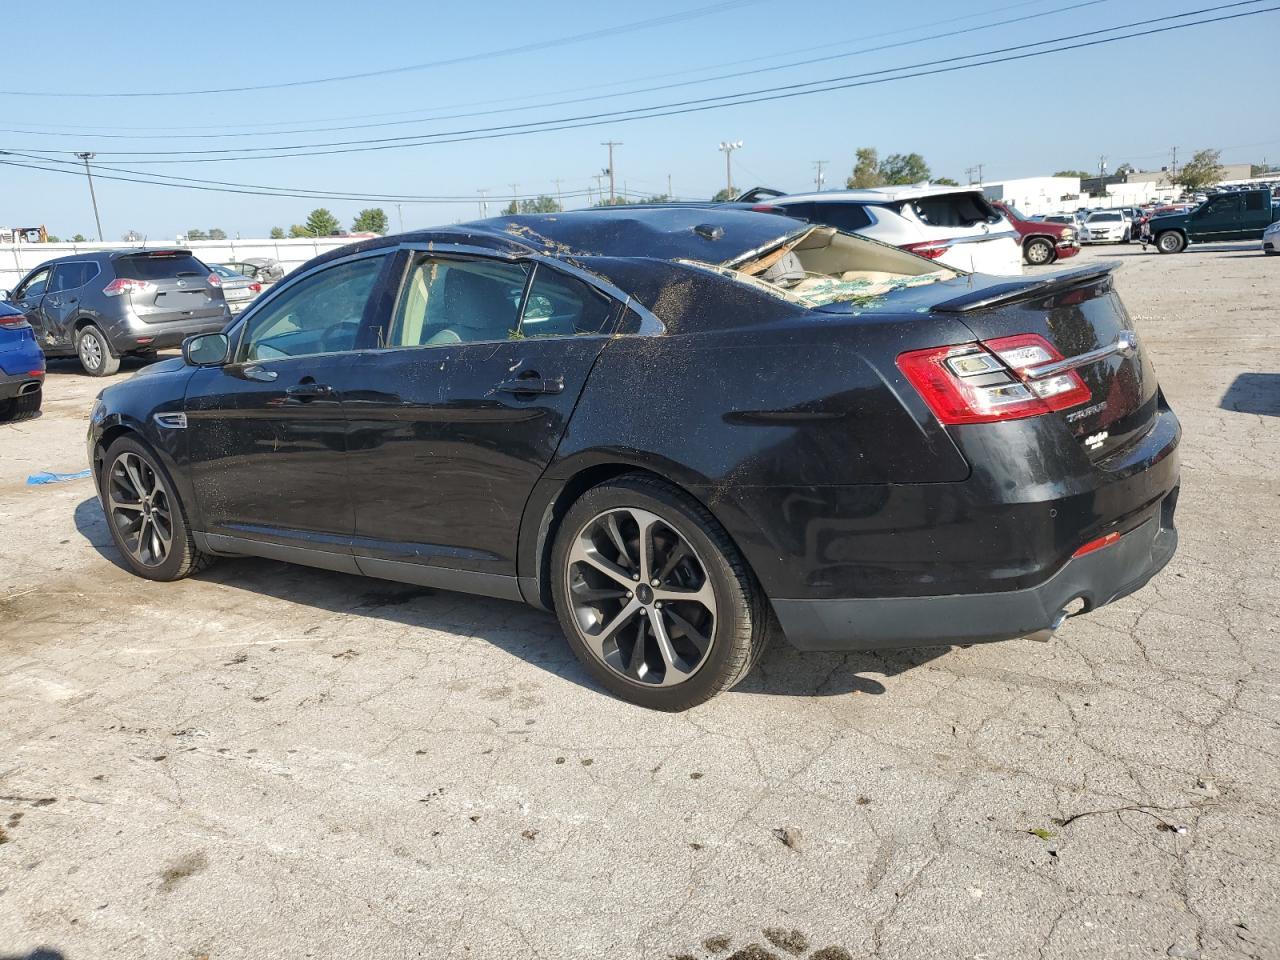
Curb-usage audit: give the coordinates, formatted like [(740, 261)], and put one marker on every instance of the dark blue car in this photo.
[(21, 366)]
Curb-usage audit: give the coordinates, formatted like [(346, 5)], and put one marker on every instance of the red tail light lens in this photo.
[(255, 287), (929, 249), (214, 280), (123, 285), (992, 381), (1098, 544), (13, 323)]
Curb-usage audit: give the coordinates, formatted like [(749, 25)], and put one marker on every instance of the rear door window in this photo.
[(72, 276), (458, 301), (160, 266), (1255, 201), (561, 306)]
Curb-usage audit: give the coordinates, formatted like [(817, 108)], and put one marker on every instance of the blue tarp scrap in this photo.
[(38, 478)]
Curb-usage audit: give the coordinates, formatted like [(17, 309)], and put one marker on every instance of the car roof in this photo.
[(893, 194), (708, 234)]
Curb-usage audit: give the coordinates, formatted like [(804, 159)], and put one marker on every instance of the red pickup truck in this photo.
[(1042, 243)]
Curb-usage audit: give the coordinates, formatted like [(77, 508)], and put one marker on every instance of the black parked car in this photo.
[(101, 306), (671, 426)]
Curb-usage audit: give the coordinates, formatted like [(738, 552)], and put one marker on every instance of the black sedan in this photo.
[(678, 428)]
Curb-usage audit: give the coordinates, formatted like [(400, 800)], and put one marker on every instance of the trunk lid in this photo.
[(1080, 314), (179, 286)]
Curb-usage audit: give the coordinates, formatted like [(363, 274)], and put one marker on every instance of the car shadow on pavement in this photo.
[(129, 365), (40, 953), (520, 630), (1253, 393)]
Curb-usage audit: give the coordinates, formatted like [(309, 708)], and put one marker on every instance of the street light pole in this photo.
[(728, 146), (86, 157)]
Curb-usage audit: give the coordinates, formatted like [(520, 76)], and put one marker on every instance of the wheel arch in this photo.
[(553, 497), (119, 425), (1047, 238)]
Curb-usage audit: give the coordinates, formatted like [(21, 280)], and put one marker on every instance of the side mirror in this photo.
[(4, 294), (206, 350)]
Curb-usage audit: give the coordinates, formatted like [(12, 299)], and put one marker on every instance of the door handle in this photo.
[(258, 373), (532, 384), (307, 391)]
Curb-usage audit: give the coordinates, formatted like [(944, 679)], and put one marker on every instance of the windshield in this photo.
[(225, 272), (1015, 212), (1104, 217)]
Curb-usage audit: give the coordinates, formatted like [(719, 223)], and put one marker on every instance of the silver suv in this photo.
[(102, 306)]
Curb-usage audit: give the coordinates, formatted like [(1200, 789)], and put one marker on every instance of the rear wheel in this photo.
[(1039, 252), (1171, 241), (95, 353), (655, 599), (21, 408), (145, 516)]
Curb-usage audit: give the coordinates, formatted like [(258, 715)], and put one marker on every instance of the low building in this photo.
[(1036, 196)]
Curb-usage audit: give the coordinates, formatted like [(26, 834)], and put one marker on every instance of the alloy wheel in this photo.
[(90, 351), (641, 597), (1039, 252), (139, 508)]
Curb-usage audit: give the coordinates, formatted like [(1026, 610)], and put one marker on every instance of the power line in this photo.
[(507, 108), (761, 95), (714, 8)]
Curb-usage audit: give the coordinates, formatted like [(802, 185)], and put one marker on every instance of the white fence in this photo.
[(17, 259)]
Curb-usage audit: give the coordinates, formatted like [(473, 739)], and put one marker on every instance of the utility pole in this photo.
[(979, 168), (400, 217), (515, 202), (819, 180), (559, 198), (672, 196), (611, 144), (484, 202), (599, 178), (728, 146), (1102, 172), (86, 157)]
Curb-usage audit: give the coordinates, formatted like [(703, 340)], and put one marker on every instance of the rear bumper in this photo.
[(158, 336), (13, 385), (1095, 579)]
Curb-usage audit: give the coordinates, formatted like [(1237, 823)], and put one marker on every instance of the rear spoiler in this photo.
[(999, 294), (157, 252)]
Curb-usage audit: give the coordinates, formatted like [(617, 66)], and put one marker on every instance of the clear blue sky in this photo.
[(1206, 88)]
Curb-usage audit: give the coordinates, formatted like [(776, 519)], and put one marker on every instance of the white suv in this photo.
[(954, 226), (1106, 226)]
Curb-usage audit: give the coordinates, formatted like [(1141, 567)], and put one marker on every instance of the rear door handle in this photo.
[(309, 390), (533, 384)]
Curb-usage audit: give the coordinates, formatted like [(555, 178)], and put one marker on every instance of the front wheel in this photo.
[(145, 516), (654, 597), (1171, 241), (23, 407), (95, 353), (1038, 252)]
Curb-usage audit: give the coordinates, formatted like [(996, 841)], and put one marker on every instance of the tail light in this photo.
[(929, 249), (1092, 545), (122, 285), (214, 280), (255, 288), (992, 380), (13, 323), (35, 373)]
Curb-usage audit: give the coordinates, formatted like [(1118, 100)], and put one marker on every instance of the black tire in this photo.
[(1170, 241), (743, 624), (1128, 236), (1039, 252), (20, 408), (94, 352), (182, 558)]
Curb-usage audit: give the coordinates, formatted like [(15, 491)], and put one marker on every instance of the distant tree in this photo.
[(899, 168), (217, 233), (371, 219), (50, 238), (197, 235), (79, 238), (1082, 174), (723, 194), (1258, 169), (277, 233), (866, 171), (298, 230), (946, 182), (1125, 169), (131, 236), (606, 202), (658, 198), (1202, 170), (322, 223)]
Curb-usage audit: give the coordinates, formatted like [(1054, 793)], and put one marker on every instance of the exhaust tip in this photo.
[(26, 388), (1074, 606)]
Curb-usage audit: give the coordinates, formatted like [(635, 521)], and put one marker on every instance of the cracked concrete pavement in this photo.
[(271, 761)]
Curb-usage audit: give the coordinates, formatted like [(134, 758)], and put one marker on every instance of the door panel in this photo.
[(267, 434), (448, 439), (28, 298)]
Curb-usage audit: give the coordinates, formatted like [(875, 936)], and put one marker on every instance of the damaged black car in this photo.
[(683, 430)]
